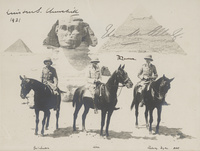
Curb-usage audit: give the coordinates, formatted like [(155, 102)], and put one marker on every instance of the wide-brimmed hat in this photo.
[(95, 60), (48, 60), (148, 57)]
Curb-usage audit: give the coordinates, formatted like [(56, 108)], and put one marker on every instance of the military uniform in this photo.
[(94, 75), (49, 75), (147, 74)]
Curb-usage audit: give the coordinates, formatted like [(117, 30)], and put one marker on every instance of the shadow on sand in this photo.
[(174, 132), (67, 132)]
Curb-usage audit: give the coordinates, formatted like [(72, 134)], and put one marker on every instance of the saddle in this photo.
[(52, 91)]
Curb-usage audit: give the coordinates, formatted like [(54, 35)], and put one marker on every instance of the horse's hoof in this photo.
[(46, 128), (36, 133), (108, 137), (150, 132)]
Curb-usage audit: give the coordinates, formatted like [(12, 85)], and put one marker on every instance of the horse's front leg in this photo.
[(150, 120), (159, 109), (136, 114), (58, 109), (146, 116), (108, 122), (103, 115), (36, 121), (43, 121), (84, 117), (48, 117), (57, 117)]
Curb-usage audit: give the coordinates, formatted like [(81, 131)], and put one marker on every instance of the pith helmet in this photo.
[(48, 60), (148, 57), (95, 60)]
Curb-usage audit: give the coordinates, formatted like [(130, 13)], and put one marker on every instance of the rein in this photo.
[(120, 91)]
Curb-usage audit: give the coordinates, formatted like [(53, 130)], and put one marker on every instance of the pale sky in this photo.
[(33, 28)]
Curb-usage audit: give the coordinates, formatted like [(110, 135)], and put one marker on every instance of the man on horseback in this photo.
[(49, 78), (147, 74), (93, 78)]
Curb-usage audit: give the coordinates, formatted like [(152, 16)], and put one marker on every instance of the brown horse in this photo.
[(44, 100), (107, 100), (153, 98)]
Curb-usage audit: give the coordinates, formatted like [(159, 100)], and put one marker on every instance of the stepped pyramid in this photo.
[(141, 33), (18, 46)]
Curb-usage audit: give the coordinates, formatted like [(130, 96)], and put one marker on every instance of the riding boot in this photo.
[(164, 102), (32, 107)]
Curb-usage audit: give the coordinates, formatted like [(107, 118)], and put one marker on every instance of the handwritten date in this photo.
[(15, 20)]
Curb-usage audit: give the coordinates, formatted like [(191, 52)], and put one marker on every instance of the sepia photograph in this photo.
[(100, 75)]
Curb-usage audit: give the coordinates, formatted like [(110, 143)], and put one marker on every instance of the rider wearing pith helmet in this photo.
[(148, 57), (95, 60), (48, 60)]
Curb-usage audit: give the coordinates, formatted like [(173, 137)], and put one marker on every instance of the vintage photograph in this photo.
[(100, 75)]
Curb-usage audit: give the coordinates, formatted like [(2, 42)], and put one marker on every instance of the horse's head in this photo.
[(164, 86), (25, 87), (123, 78)]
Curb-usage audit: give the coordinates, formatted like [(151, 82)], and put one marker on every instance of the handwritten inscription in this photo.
[(162, 148), (15, 20), (123, 58), (157, 31), (41, 147), (41, 10)]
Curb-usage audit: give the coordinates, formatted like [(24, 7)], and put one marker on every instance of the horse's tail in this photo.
[(77, 96)]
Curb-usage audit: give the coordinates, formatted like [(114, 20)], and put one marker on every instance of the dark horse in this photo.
[(153, 98), (106, 94), (43, 100)]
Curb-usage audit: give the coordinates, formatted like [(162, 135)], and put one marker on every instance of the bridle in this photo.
[(157, 94)]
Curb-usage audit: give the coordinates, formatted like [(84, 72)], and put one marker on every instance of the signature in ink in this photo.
[(157, 31), (52, 10), (39, 10)]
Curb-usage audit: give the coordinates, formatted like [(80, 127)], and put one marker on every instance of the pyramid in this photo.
[(142, 34), (19, 46)]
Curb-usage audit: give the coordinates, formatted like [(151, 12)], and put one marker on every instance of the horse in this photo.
[(44, 100), (106, 94), (153, 98)]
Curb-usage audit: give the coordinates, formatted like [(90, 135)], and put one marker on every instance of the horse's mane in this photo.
[(111, 77), (36, 83), (156, 83)]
